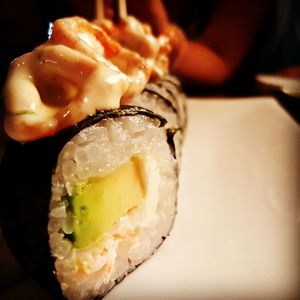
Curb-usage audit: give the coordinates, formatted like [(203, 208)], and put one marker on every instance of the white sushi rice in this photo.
[(97, 151)]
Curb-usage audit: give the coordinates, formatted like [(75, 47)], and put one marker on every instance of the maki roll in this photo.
[(113, 199), (109, 212), (89, 177), (166, 98)]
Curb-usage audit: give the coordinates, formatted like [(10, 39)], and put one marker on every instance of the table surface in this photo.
[(237, 231)]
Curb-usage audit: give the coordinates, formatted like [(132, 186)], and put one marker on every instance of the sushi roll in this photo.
[(89, 177), (113, 200), (165, 97)]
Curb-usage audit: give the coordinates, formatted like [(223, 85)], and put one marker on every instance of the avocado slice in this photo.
[(100, 202)]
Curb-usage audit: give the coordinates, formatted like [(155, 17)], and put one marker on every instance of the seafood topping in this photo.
[(83, 67)]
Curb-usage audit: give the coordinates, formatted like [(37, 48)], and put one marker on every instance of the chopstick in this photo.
[(122, 10), (100, 9), (120, 6)]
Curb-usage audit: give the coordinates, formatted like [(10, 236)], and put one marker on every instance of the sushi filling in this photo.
[(98, 204)]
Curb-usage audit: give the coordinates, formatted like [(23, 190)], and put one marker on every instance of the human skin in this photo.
[(211, 59)]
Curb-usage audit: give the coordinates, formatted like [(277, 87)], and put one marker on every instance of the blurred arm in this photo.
[(213, 58)]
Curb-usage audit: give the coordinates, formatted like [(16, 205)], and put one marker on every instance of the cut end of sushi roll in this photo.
[(97, 199), (114, 194)]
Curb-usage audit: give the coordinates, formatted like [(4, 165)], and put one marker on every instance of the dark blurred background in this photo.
[(24, 25)]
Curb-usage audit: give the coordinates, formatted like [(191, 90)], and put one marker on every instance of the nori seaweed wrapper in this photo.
[(25, 184), (169, 90)]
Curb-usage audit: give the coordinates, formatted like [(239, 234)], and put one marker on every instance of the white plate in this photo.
[(237, 232)]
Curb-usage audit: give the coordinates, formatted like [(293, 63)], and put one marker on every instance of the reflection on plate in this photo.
[(290, 86)]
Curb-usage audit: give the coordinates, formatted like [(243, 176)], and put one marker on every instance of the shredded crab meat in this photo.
[(83, 67)]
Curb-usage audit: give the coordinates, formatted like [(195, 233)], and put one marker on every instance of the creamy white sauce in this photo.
[(79, 70)]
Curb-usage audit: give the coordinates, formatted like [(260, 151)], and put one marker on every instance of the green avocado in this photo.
[(100, 203)]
